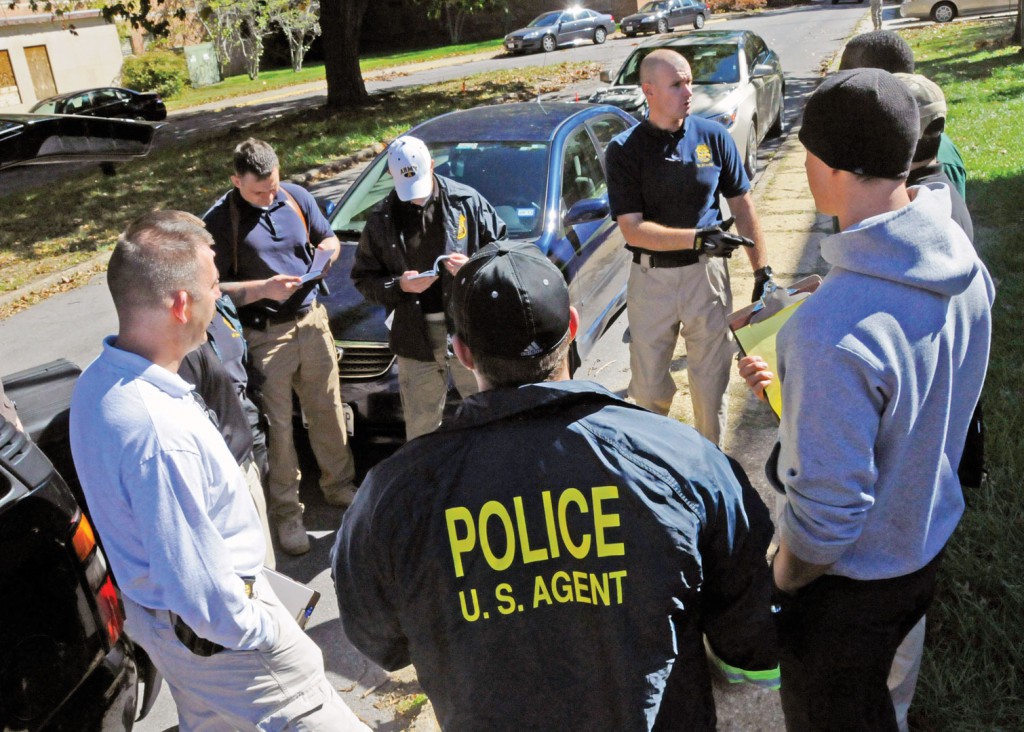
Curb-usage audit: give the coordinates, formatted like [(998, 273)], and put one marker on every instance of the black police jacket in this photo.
[(552, 559), (470, 223)]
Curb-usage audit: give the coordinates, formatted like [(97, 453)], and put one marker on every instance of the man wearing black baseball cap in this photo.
[(880, 371), (553, 557)]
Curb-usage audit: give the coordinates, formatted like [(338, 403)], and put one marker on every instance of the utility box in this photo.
[(203, 68)]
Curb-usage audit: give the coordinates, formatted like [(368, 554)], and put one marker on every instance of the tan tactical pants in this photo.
[(694, 302), (300, 355), (424, 384)]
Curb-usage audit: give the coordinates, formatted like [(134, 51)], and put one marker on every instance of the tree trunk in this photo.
[(341, 22), (1018, 27)]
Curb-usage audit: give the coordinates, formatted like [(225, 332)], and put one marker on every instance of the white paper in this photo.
[(316, 270)]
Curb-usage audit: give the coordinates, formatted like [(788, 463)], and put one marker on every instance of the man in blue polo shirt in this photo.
[(664, 179), (264, 235)]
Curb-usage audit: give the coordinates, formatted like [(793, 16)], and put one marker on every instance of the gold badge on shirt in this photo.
[(703, 153), (462, 227)]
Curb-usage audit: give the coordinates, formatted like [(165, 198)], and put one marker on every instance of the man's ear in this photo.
[(181, 306), (462, 353), (574, 323), (236, 181)]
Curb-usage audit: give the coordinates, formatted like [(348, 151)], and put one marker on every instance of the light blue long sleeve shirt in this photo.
[(168, 499)]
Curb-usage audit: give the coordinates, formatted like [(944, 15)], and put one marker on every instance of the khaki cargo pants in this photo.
[(424, 384), (694, 302), (301, 355)]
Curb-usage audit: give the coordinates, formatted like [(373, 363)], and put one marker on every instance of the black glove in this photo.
[(715, 242), (761, 277)]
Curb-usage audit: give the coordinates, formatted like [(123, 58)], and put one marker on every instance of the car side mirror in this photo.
[(763, 70), (587, 209), (606, 76), (326, 206)]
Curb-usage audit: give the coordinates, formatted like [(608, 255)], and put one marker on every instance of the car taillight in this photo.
[(98, 577)]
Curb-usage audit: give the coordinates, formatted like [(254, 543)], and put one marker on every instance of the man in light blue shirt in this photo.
[(178, 524)]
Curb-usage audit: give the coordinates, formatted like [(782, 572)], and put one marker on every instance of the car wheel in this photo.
[(599, 35), (698, 22), (750, 156), (548, 44), (943, 12), (662, 26)]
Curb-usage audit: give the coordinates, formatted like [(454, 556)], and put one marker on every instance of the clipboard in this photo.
[(757, 325), (298, 599)]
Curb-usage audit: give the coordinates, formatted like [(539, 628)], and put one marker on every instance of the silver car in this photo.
[(943, 11), (737, 80)]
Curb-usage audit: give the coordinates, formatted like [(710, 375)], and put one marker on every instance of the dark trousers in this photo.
[(838, 637)]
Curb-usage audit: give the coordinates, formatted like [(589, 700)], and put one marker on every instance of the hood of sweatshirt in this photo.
[(915, 246)]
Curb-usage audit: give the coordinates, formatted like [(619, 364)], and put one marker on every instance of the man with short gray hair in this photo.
[(179, 527)]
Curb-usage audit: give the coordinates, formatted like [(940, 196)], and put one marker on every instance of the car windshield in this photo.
[(545, 19), (512, 176), (653, 7), (45, 108), (711, 64)]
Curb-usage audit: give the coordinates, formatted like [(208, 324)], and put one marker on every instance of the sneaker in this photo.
[(340, 495), (292, 537)]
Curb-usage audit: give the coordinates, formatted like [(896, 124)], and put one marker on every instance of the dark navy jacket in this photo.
[(551, 559), (470, 223)]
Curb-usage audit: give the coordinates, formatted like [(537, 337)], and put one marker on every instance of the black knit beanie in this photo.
[(863, 121)]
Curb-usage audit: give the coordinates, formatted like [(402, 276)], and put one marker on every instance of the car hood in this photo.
[(522, 32), (707, 98), (637, 17)]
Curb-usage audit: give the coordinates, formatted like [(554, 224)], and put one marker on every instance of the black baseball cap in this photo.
[(510, 301)]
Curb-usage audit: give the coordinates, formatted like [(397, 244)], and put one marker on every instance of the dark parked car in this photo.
[(664, 15), (542, 167), (66, 664), (557, 28), (737, 80), (110, 101), (32, 139)]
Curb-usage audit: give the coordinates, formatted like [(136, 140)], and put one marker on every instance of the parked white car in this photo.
[(943, 11)]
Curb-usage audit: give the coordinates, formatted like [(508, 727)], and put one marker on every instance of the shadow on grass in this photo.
[(972, 678)]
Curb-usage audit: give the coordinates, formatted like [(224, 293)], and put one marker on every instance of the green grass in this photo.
[(38, 237), (240, 85), (973, 672)]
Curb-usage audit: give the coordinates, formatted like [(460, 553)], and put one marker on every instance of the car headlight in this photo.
[(533, 34), (727, 118)]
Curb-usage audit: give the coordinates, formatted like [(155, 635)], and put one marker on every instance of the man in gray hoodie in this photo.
[(880, 371)]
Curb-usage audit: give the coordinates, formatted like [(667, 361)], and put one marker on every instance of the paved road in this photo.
[(72, 324)]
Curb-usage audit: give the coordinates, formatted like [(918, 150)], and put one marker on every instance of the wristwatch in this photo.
[(764, 274)]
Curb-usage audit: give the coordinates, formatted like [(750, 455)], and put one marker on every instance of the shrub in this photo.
[(161, 71), (722, 6)]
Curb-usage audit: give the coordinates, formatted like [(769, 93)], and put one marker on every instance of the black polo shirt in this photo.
[(270, 241), (422, 230), (674, 179)]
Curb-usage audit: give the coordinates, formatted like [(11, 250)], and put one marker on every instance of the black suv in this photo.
[(65, 662)]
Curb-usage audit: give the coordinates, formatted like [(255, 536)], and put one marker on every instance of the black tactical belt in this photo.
[(666, 260)]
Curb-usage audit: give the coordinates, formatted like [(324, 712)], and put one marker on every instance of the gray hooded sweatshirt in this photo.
[(880, 372)]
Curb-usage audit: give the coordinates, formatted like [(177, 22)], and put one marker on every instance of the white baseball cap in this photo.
[(409, 162)]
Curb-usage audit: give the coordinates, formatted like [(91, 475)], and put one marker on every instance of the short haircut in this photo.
[(655, 59), (511, 372), (256, 157), (156, 256), (880, 49)]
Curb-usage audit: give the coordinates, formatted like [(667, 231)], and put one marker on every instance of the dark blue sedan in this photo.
[(542, 168)]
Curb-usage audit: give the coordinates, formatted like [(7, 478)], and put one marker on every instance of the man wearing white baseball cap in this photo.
[(414, 241)]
